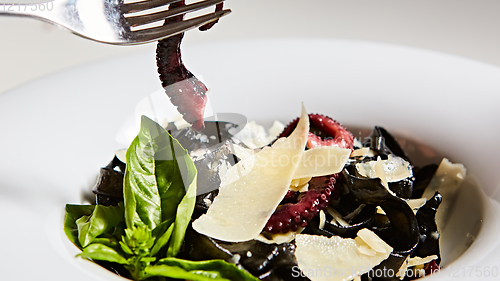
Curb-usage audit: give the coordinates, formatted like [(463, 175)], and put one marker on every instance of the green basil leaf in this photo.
[(142, 200), (184, 213), (102, 220), (73, 213), (198, 270), (183, 182), (152, 177), (159, 171), (179, 273), (161, 228), (103, 253), (163, 239), (124, 247), (175, 174), (110, 242)]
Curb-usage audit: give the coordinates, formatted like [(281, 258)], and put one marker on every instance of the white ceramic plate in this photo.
[(58, 131)]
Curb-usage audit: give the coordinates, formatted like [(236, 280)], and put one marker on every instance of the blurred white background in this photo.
[(30, 49)]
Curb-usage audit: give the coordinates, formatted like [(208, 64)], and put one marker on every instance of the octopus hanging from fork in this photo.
[(186, 92)]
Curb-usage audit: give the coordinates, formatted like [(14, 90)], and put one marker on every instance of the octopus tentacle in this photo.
[(329, 132), (290, 197), (185, 91), (209, 25), (291, 216), (296, 210)]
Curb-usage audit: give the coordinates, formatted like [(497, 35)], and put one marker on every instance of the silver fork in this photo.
[(113, 21)]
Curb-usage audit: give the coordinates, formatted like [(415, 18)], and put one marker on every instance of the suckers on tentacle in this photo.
[(332, 133), (291, 216), (297, 209)]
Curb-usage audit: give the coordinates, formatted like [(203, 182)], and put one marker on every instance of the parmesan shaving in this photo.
[(300, 188), (365, 249), (446, 180), (416, 262), (276, 129), (254, 135), (253, 188), (322, 219), (300, 185), (415, 204), (402, 269), (391, 170), (380, 173), (421, 261), (121, 155), (371, 239), (357, 143), (300, 181), (380, 211), (337, 217), (348, 257), (242, 152), (322, 160), (364, 152)]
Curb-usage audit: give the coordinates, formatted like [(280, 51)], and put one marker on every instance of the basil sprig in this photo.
[(146, 233)]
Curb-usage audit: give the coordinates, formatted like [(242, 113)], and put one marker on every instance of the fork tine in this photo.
[(144, 5), (145, 19), (158, 33)]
